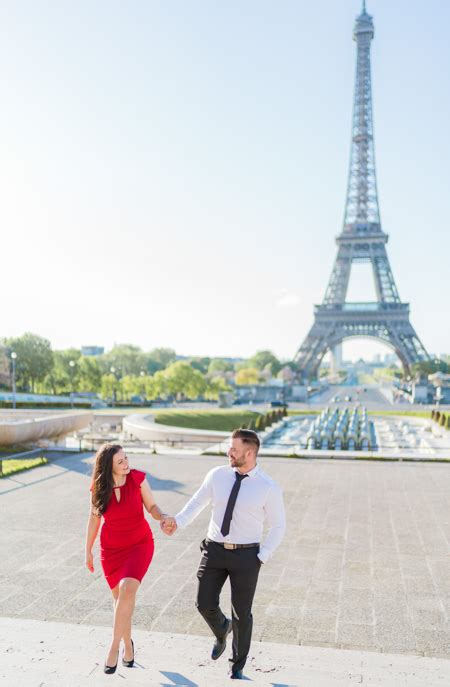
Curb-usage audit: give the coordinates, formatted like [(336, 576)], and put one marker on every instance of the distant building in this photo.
[(259, 393), (287, 374), (92, 350), (391, 359)]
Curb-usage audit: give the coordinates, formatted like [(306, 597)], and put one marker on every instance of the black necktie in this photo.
[(230, 505)]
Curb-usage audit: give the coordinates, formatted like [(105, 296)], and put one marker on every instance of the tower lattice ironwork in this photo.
[(361, 240)]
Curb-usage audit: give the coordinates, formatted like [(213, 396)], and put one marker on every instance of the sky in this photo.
[(174, 173)]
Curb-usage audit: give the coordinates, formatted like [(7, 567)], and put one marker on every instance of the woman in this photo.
[(126, 540)]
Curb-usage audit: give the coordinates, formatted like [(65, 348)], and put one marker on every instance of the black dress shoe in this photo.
[(129, 664), (109, 670), (220, 644), (236, 675)]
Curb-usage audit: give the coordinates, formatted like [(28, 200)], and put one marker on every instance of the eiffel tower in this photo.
[(361, 240)]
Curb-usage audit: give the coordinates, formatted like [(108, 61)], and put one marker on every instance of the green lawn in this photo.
[(11, 467), (408, 413), (218, 420)]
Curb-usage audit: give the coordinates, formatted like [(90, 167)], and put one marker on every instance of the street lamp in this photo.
[(13, 359), (142, 373), (112, 369), (72, 366)]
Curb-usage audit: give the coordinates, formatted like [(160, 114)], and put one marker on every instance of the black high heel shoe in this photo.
[(109, 670), (129, 664)]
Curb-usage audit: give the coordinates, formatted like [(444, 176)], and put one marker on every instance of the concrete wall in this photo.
[(20, 430), (145, 428)]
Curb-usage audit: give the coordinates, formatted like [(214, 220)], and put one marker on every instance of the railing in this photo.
[(362, 307)]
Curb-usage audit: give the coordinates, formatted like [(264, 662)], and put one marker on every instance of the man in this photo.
[(242, 497)]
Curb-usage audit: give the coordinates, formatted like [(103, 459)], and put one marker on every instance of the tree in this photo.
[(214, 387), (241, 365), (154, 387), (200, 364), (262, 359), (34, 359), (160, 387), (428, 367), (66, 370), (249, 375), (111, 388), (89, 374), (182, 379), (126, 359), (5, 376), (132, 386), (219, 365), (159, 359)]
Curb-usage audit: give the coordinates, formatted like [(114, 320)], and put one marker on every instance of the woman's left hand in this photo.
[(89, 561)]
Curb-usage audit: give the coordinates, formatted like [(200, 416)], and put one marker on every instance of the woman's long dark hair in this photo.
[(102, 479)]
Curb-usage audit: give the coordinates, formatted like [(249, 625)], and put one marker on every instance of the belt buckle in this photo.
[(229, 547)]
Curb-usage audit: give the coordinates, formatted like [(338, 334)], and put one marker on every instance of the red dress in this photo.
[(126, 540)]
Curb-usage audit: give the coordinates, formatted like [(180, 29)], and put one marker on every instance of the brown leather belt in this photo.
[(231, 547)]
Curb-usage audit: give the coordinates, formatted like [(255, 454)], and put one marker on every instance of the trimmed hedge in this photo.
[(43, 406), (442, 419)]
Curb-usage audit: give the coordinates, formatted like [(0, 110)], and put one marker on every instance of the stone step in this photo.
[(48, 654)]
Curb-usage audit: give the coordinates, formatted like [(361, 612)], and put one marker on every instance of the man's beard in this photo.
[(237, 462)]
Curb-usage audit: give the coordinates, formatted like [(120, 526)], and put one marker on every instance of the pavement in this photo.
[(48, 654), (361, 580)]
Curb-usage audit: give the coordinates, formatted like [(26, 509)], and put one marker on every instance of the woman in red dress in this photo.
[(126, 541)]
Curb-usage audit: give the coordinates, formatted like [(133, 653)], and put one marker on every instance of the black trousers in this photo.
[(242, 567)]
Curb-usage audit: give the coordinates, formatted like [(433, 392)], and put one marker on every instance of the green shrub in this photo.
[(260, 423), (43, 406)]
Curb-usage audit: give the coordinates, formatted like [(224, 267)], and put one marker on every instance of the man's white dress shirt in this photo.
[(259, 498)]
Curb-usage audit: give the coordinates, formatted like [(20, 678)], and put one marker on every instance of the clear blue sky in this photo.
[(174, 173)]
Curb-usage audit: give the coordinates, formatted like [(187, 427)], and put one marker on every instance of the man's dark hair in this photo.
[(248, 436)]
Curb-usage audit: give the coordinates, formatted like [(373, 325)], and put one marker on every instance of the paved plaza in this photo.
[(365, 563)]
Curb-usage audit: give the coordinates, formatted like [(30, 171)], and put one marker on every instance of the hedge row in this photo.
[(262, 422), (43, 406), (442, 419)]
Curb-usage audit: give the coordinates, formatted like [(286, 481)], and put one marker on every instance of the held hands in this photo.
[(168, 524), (89, 560)]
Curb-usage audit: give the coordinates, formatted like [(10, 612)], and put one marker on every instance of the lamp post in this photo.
[(143, 399), (72, 370), (113, 372), (13, 359)]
